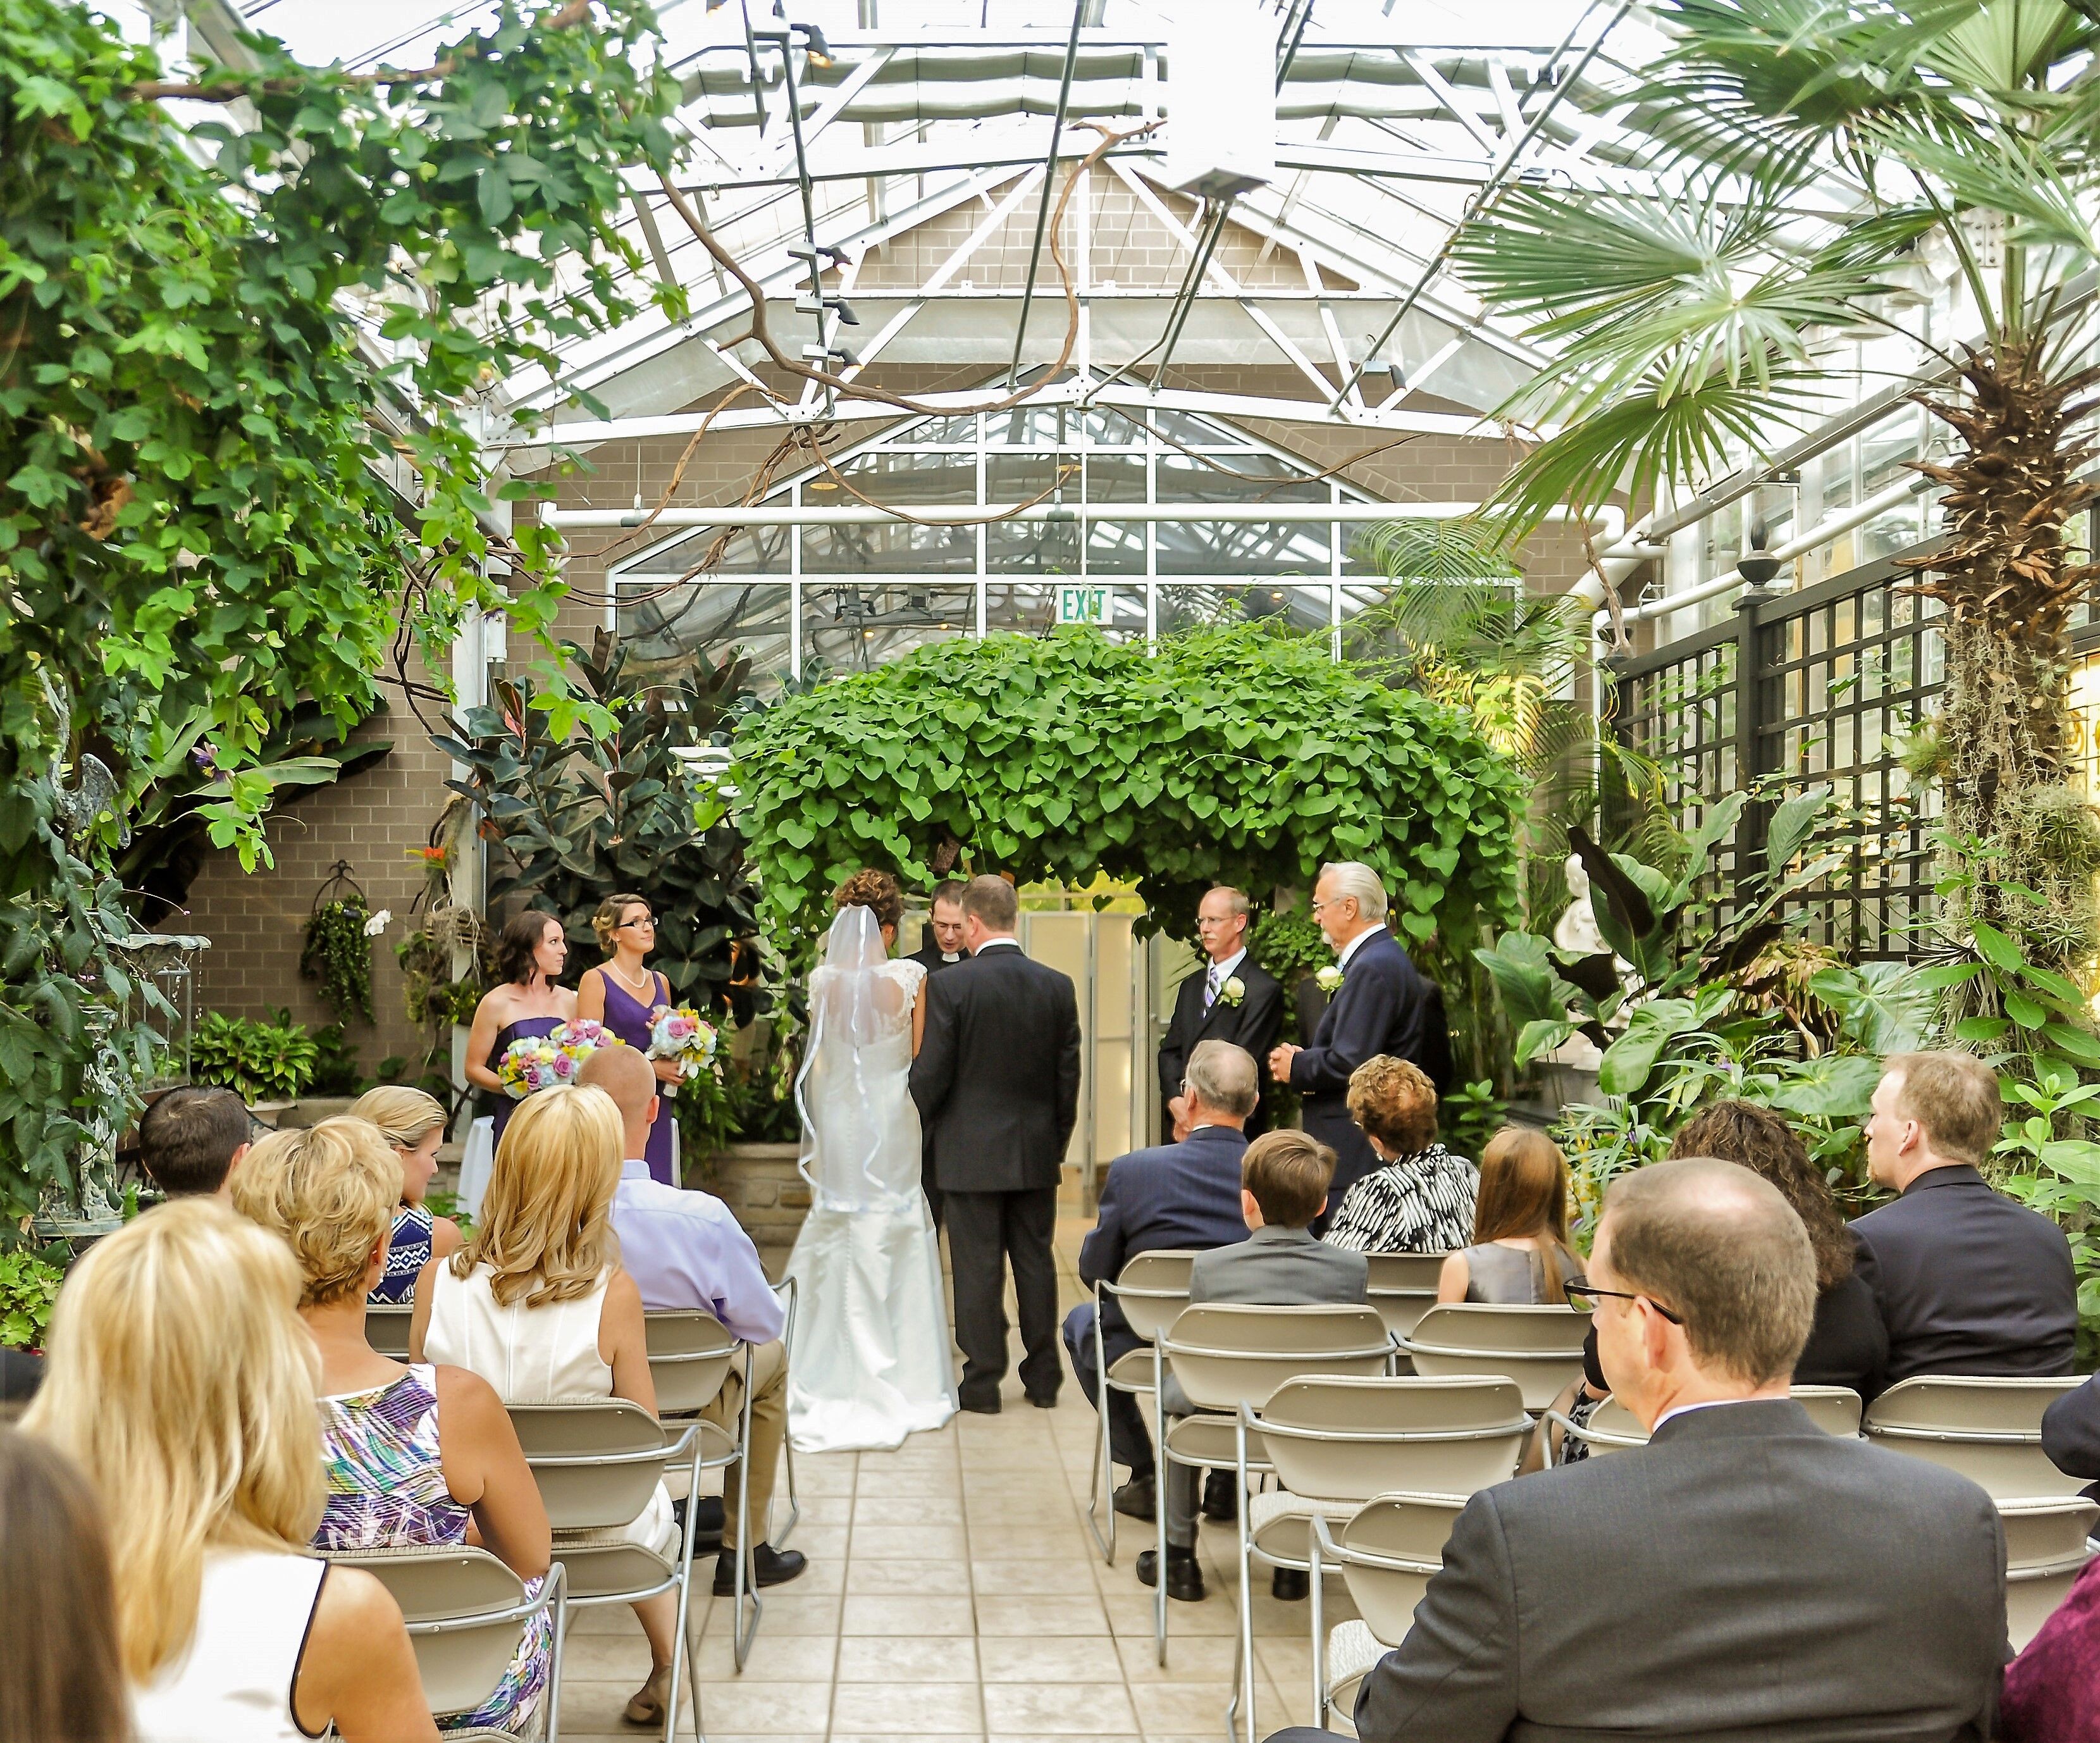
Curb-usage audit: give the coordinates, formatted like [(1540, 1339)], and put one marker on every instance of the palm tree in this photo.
[(1832, 156)]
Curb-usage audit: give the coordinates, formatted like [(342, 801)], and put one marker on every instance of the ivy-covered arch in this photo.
[(1235, 754)]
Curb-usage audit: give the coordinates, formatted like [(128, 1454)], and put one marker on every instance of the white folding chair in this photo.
[(1403, 1287), (1611, 1427), (386, 1327), (1988, 1428), (1539, 1348), (466, 1612), (1226, 1356), (2047, 1546), (1388, 1552), (1152, 1289), (597, 1464)]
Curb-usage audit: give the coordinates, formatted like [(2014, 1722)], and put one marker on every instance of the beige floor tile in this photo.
[(1059, 1708), (608, 1618), (949, 1579), (820, 1543), (596, 1707), (1182, 1707), (918, 1617), (1041, 1616), (908, 1509), (1286, 1661), (927, 1542), (1031, 1540), (817, 1510), (887, 1710), (900, 1485), (815, 1476), (759, 1708), (1191, 1658), (605, 1657), (1037, 1577), (787, 1612), (775, 1657), (1073, 1658), (895, 1659), (1131, 1613)]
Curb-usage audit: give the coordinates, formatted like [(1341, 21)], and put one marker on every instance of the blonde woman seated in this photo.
[(413, 1453), (414, 1122), (1519, 1256), (536, 1304), (1421, 1201), (183, 1383)]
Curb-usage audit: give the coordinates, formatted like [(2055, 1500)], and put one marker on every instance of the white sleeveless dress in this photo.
[(534, 1355), (233, 1682), (871, 1362)]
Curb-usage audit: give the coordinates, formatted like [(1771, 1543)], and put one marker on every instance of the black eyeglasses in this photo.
[(647, 919), (1581, 1286)]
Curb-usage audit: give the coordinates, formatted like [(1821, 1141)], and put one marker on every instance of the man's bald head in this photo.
[(1719, 1247), (624, 1074)]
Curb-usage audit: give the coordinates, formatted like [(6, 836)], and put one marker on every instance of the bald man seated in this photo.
[(1743, 1576), (685, 1249)]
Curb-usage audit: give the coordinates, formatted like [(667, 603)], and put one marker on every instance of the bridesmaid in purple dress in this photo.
[(530, 952), (621, 993)]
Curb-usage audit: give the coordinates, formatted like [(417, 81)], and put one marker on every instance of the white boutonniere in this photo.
[(1329, 980), (1233, 991)]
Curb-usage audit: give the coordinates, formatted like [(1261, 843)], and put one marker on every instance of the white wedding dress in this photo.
[(870, 1362)]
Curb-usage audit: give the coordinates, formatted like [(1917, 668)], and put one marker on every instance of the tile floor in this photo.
[(953, 1591)]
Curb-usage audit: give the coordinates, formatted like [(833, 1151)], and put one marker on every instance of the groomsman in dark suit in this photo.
[(997, 1084), (942, 945), (1230, 998), (1377, 1002)]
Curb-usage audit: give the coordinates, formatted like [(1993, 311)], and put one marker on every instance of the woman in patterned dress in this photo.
[(1421, 1201), (413, 1122), (412, 1451)]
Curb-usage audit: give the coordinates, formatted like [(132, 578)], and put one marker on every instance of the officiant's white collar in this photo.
[(1355, 944)]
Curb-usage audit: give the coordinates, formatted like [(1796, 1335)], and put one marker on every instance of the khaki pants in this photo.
[(764, 1369)]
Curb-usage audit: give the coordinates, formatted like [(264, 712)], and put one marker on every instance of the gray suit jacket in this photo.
[(1272, 1268), (1744, 1576)]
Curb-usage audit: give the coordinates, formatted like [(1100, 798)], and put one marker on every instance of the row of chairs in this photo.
[(597, 1464), (1377, 1436)]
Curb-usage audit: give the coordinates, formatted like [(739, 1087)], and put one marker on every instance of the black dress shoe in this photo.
[(1290, 1584), (769, 1567), (1221, 1497), (1184, 1574), (1043, 1401), (1138, 1498), (707, 1526), (980, 1406)]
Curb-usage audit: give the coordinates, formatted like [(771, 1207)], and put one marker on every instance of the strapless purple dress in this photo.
[(509, 1032), (628, 1017)]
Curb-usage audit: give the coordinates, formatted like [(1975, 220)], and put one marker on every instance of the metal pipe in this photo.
[(1049, 183), (971, 513)]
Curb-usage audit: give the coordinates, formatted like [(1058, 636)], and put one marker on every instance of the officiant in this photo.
[(1231, 997), (942, 946)]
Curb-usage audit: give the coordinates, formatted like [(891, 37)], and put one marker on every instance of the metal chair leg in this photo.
[(1319, 1634), (740, 1635), (788, 1441), (1247, 1597), (559, 1612), (1103, 1482), (1164, 1466), (681, 1645)]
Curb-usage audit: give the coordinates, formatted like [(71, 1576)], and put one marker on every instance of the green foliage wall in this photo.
[(1235, 753)]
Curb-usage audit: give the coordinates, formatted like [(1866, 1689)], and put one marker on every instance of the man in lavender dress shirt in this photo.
[(684, 1250)]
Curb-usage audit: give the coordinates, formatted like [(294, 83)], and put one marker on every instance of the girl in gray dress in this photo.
[(1519, 1256)]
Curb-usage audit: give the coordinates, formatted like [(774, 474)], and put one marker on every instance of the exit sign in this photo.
[(1082, 605)]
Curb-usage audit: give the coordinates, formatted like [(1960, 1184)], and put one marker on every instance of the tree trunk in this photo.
[(2025, 838)]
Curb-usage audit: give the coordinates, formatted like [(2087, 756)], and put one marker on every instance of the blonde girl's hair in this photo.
[(183, 1382), (605, 923), (1523, 1191), (546, 1219), (330, 1194), (403, 1116)]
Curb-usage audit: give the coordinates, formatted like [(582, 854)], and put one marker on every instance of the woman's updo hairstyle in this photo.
[(612, 914), (876, 891), (515, 944)]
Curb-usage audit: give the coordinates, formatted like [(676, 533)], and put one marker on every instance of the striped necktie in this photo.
[(1210, 989)]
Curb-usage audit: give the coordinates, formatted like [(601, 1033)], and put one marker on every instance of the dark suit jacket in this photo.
[(1743, 1576), (929, 957), (2071, 1434), (1385, 1005), (1968, 1282), (997, 1077), (1184, 1195), (1254, 1023)]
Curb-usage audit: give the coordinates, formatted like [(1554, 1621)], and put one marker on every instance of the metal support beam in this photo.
[(971, 514), (1049, 183)]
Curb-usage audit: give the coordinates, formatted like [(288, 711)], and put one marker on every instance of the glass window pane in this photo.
[(852, 627), (1031, 607), (1186, 607), (665, 625)]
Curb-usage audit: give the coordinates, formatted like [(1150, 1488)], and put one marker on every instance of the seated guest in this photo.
[(537, 1303), (1284, 1178), (684, 1249), (183, 1384), (1849, 1345), (1519, 1256), (61, 1677), (1967, 1281), (2052, 1691), (20, 1374), (1744, 1575), (191, 1138), (414, 1122), (413, 1453), (1420, 1199), (1177, 1196)]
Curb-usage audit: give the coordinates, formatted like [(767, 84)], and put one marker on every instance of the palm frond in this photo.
[(1998, 169)]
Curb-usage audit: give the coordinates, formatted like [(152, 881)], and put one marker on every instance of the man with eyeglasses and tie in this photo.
[(1231, 998)]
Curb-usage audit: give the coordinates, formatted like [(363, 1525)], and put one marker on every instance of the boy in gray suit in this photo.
[(1284, 1178)]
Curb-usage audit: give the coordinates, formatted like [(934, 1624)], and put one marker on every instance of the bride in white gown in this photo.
[(870, 1363)]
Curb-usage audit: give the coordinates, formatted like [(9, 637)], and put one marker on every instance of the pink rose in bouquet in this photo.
[(680, 1034)]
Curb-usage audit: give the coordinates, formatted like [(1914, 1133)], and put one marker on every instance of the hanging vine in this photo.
[(337, 948)]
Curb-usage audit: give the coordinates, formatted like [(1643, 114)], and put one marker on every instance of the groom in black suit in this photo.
[(997, 1084), (1382, 1004), (1230, 998)]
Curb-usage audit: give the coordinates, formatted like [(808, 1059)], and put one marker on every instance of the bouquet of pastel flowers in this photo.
[(534, 1062), (680, 1033)]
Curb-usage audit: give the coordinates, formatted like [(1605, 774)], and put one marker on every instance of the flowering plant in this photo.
[(680, 1033), (1233, 991), (534, 1062), (1330, 980)]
